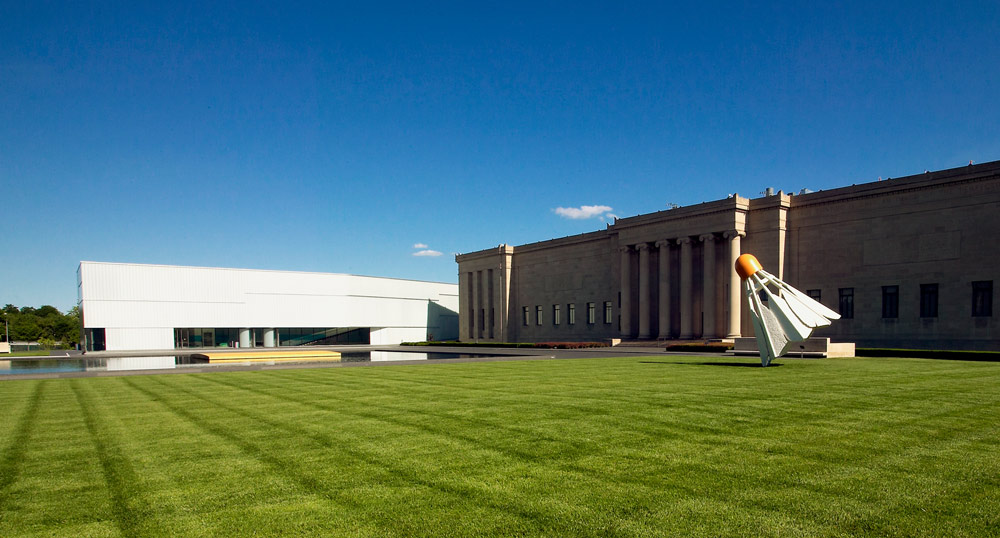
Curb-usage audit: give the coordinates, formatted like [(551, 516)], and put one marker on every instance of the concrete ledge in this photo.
[(811, 347)]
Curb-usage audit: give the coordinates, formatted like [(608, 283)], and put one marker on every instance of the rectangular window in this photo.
[(538, 314), (555, 314), (982, 298), (493, 320), (846, 303), (591, 314), (571, 313), (890, 302), (524, 315), (607, 312), (928, 300), (815, 295)]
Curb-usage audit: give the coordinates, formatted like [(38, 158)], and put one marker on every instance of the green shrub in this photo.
[(991, 356)]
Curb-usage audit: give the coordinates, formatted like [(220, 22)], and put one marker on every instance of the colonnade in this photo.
[(712, 282), (269, 338)]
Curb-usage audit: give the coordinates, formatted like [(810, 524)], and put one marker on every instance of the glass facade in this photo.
[(94, 339), (206, 337), (323, 337), (285, 336)]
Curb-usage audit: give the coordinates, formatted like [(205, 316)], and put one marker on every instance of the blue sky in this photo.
[(347, 137)]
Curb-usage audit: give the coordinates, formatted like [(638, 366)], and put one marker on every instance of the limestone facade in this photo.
[(911, 262)]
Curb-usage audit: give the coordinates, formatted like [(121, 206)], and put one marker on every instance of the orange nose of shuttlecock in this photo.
[(747, 265)]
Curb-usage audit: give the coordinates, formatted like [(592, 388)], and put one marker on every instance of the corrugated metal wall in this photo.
[(140, 305)]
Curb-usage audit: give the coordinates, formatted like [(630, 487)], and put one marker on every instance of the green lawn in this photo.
[(648, 446), (32, 353)]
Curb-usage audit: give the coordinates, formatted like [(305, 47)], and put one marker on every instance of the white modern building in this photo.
[(128, 306)]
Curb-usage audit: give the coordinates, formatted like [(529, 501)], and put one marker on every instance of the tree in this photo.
[(47, 311), (47, 322), (25, 328)]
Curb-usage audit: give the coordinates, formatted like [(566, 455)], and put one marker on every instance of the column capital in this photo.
[(642, 246), (625, 249), (684, 241), (706, 237), (663, 243), (729, 234)]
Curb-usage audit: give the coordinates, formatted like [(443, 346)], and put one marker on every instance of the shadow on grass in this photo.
[(714, 363)]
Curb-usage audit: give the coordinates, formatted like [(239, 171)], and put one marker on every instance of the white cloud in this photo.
[(419, 245), (582, 212), (427, 252)]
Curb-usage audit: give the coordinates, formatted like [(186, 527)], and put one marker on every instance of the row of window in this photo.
[(570, 314), (982, 300)]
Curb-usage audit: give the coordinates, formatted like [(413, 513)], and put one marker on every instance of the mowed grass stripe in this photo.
[(390, 473), (222, 430), (60, 489), (634, 446), (433, 416), (578, 474), (132, 511), (16, 438), (557, 406), (874, 384), (224, 488), (460, 489), (639, 479), (257, 436)]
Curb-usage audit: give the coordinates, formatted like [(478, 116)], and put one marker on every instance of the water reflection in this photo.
[(118, 364), (110, 364), (387, 356), (140, 363)]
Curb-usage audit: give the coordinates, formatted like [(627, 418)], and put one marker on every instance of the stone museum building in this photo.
[(909, 262)]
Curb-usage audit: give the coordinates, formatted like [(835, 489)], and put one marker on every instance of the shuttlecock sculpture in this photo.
[(786, 315)]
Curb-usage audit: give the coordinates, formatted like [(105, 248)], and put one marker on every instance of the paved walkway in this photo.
[(494, 354)]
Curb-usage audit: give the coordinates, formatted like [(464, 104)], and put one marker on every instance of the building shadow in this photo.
[(442, 323), (713, 363)]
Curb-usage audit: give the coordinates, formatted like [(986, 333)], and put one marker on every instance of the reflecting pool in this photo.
[(387, 356), (109, 364), (113, 364)]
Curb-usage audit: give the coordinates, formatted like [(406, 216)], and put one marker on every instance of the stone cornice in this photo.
[(892, 187)]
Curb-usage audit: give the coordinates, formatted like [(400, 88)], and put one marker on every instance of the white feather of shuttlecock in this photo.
[(788, 315)]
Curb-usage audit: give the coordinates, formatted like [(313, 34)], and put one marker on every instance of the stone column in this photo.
[(735, 285), (474, 303), (686, 285), (643, 249), (664, 294), (626, 291), (268, 337), (708, 287)]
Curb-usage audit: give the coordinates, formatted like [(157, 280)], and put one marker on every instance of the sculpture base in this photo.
[(811, 347)]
